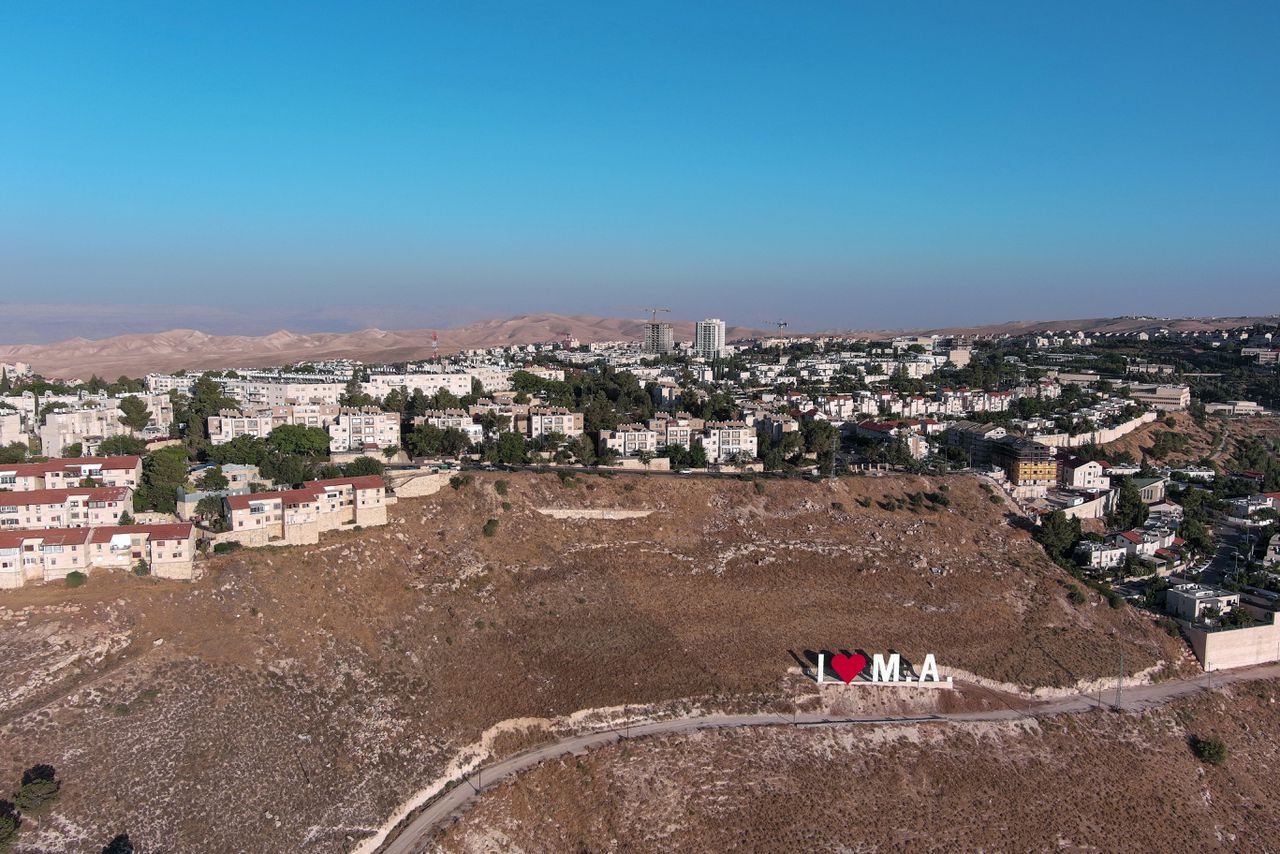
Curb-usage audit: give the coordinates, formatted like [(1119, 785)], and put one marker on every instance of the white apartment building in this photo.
[(455, 382), (723, 440), (70, 473), (64, 508), (267, 391), (363, 428), (258, 423), (629, 440), (1076, 473), (708, 338), (98, 419), (165, 383), (554, 419), (679, 430), (11, 428)]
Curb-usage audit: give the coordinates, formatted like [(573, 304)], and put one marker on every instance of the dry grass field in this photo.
[(1094, 782), (288, 700)]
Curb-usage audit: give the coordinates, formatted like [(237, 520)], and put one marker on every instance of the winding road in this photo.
[(411, 837)]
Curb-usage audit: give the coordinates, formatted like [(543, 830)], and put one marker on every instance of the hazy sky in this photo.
[(840, 164)]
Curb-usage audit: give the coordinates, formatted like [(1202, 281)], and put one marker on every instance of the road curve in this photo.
[(410, 837)]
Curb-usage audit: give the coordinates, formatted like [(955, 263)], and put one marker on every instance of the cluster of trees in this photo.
[(36, 795), (816, 438), (606, 399)]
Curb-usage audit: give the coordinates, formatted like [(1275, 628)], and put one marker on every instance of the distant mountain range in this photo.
[(137, 353)]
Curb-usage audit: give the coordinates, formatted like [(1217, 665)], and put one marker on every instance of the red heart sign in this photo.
[(847, 667)]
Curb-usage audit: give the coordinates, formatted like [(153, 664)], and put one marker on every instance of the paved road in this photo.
[(411, 838)]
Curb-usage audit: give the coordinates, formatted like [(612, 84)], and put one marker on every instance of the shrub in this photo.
[(223, 548), (1211, 750), (75, 578), (1169, 625), (864, 502), (10, 822), (141, 568), (1115, 600), (837, 505), (500, 487), (995, 499), (506, 505), (759, 487), (39, 789), (460, 480), (1076, 596), (490, 527)]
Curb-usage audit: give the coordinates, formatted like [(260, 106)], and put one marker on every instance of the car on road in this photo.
[(686, 471)]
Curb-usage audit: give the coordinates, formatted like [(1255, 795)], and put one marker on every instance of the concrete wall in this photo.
[(417, 484), (591, 513), (1229, 648), (1097, 437)]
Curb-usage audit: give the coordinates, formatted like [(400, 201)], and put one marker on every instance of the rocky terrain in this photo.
[(292, 698), (1095, 782)]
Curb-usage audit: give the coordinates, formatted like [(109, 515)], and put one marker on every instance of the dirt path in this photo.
[(411, 838)]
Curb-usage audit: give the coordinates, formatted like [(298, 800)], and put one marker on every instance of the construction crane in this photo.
[(435, 346), (781, 324), (653, 312)]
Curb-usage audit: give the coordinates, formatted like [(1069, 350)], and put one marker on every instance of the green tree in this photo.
[(39, 790), (299, 440), (1211, 749), (1058, 535), (134, 413), (74, 450), (211, 509), (213, 480), (242, 450), (1130, 511), (10, 824), (163, 471), (697, 456), (509, 448), (362, 466), (122, 446)]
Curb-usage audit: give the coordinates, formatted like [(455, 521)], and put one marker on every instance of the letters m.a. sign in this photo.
[(890, 669)]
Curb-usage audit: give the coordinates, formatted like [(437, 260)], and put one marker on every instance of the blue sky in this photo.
[(842, 164)]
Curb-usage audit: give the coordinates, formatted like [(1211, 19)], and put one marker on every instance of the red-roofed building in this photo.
[(72, 472), (299, 516), (49, 555), (83, 507)]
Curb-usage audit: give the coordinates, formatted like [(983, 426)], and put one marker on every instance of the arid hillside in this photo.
[(1219, 439), (290, 699), (1095, 782)]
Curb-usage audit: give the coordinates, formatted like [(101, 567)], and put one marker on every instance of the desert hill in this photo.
[(300, 694), (137, 354)]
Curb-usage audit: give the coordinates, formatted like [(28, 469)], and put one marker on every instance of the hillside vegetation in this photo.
[(297, 695)]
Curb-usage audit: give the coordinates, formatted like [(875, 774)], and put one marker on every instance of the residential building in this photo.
[(71, 472), (299, 516), (725, 441), (97, 419), (364, 428), (455, 419), (11, 428), (708, 339), (64, 508), (629, 440), (554, 419), (659, 337), (1192, 601), (679, 429), (1077, 473)]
